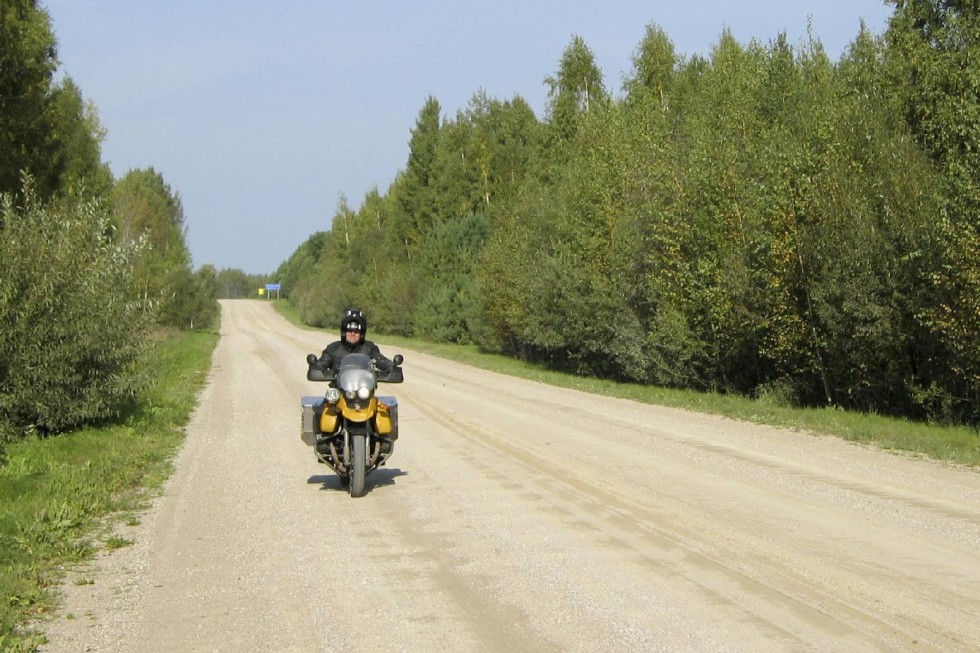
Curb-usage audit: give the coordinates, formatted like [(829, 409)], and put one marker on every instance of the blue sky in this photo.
[(261, 115)]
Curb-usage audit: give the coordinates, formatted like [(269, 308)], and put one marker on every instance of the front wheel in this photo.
[(358, 467)]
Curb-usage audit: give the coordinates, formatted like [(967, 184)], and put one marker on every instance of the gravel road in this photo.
[(515, 516)]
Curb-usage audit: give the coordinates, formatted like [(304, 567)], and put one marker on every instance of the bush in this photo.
[(71, 329)]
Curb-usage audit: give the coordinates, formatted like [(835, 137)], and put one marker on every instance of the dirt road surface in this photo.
[(515, 516)]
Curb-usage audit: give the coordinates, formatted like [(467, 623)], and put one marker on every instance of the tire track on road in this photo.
[(755, 587)]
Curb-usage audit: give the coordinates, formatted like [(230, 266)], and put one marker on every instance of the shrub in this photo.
[(71, 329)]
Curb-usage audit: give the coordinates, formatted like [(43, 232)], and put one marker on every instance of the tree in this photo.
[(415, 189), (446, 263), (192, 304), (232, 283), (653, 66), (145, 209), (291, 272), (458, 169), (933, 48), (74, 144), (575, 89), (28, 59), (507, 142), (47, 130)]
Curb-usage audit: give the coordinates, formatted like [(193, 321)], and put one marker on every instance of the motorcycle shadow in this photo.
[(378, 478)]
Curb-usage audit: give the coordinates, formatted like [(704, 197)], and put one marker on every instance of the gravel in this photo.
[(517, 516)]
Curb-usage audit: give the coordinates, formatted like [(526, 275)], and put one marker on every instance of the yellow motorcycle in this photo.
[(350, 428)]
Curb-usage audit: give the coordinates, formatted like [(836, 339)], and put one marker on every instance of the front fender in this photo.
[(353, 414)]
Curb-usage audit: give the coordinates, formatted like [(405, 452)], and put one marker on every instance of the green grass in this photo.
[(61, 495), (947, 443), (289, 312)]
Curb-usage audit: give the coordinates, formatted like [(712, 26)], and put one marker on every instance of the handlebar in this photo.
[(315, 372)]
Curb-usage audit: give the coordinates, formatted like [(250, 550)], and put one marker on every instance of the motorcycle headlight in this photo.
[(364, 392), (333, 394)]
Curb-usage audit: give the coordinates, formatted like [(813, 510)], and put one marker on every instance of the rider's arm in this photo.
[(326, 358), (380, 360)]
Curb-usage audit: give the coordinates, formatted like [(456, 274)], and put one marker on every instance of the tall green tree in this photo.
[(575, 89), (74, 144), (388, 287), (291, 272), (933, 47), (28, 59), (47, 130), (415, 189), (516, 279), (698, 288), (145, 209), (507, 148), (457, 170), (446, 263), (654, 63)]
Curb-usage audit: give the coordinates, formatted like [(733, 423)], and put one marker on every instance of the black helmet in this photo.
[(353, 320)]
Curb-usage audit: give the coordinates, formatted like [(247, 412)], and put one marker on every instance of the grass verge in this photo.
[(59, 495), (956, 444)]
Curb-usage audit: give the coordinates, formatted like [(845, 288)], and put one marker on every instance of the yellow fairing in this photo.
[(328, 419), (358, 415), (382, 420)]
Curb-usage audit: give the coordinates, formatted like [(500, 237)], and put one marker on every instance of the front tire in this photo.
[(358, 467)]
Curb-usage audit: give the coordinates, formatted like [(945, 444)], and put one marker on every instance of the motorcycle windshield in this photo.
[(355, 372)]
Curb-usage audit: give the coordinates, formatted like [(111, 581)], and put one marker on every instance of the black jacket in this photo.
[(335, 351)]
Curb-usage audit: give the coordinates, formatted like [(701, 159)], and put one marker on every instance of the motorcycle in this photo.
[(350, 428)]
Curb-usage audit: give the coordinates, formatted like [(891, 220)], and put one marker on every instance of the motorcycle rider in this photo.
[(353, 334)]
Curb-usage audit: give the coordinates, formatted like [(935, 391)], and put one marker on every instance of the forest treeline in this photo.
[(91, 267), (760, 220)]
